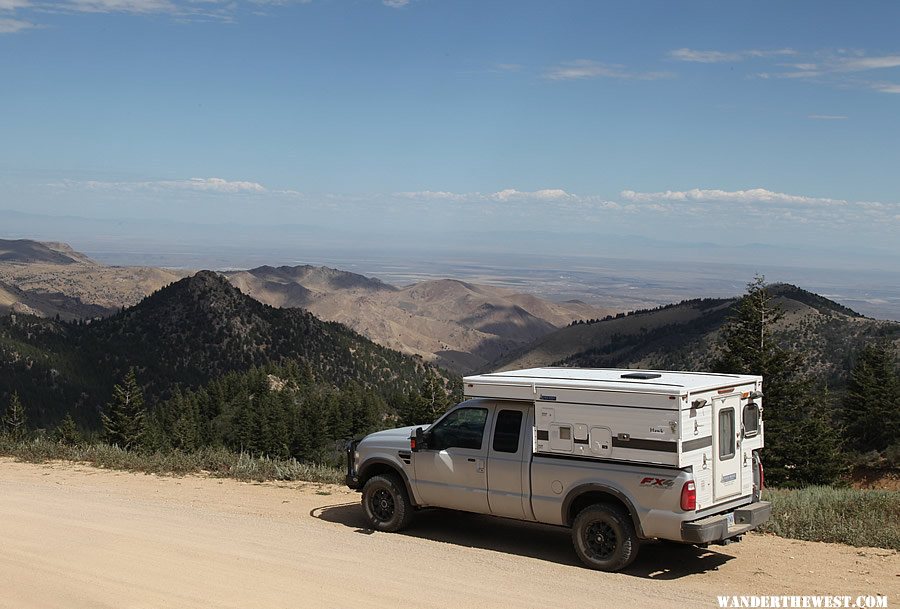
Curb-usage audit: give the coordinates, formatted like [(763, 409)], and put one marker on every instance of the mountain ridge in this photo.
[(454, 323), (684, 336), (31, 251)]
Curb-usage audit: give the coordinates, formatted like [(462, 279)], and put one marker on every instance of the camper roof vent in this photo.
[(641, 375)]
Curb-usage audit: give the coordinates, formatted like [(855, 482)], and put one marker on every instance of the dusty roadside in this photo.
[(74, 536)]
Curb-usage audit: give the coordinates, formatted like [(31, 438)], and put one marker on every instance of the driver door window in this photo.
[(462, 428)]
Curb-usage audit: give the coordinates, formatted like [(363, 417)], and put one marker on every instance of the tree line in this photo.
[(276, 411)]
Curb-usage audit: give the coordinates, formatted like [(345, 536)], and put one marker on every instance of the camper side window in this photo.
[(751, 420), (462, 428), (726, 433)]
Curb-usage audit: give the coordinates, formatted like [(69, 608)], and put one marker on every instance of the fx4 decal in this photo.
[(657, 482)]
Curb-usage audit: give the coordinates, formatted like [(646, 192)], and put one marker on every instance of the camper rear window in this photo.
[(726, 433), (751, 420)]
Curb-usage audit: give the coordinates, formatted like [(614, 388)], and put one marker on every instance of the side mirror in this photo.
[(417, 441)]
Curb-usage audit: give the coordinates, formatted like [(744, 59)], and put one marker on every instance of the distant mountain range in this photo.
[(52, 279), (186, 334), (458, 325)]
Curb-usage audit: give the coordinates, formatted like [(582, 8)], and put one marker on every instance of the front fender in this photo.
[(379, 464)]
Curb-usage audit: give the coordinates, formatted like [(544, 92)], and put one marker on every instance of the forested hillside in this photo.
[(685, 336), (185, 335)]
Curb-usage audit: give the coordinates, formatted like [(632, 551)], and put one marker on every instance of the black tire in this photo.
[(604, 537), (386, 503)]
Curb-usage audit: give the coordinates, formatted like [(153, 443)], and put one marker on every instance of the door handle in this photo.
[(471, 460), (479, 466)]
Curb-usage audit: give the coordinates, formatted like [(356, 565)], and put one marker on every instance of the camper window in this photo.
[(726, 433), (751, 420)]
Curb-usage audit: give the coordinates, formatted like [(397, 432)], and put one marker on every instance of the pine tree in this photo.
[(427, 405), (125, 419), (802, 442), (872, 403), (15, 420), (67, 432)]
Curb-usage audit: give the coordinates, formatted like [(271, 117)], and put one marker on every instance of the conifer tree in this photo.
[(67, 432), (802, 442), (15, 420), (426, 405), (872, 403), (125, 419)]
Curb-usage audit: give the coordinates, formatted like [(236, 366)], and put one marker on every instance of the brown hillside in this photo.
[(460, 325)]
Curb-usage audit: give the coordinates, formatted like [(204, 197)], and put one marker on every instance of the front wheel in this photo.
[(386, 503), (604, 537)]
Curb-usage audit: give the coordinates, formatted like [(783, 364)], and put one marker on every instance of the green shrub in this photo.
[(857, 517)]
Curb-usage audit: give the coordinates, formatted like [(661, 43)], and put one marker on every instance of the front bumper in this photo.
[(717, 528), (352, 477)]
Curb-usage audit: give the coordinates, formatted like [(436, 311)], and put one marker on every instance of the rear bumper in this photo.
[(717, 528)]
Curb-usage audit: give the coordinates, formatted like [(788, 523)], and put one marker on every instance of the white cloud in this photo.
[(11, 5), (547, 194), (756, 204), (697, 56), (433, 195), (586, 68), (753, 195), (763, 205), (214, 185), (858, 64), (11, 26), (886, 87), (841, 68), (395, 3), (827, 117), (121, 6)]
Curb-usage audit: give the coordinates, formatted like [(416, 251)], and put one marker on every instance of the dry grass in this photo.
[(217, 462)]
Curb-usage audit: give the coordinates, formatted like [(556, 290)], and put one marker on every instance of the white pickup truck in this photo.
[(616, 455)]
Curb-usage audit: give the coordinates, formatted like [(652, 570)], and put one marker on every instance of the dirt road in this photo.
[(73, 536)]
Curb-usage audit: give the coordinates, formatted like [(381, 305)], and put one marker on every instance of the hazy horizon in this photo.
[(626, 276), (758, 135)]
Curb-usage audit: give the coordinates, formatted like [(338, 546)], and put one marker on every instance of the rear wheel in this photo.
[(604, 537), (386, 503)]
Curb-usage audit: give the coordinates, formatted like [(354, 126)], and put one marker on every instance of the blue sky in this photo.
[(767, 123)]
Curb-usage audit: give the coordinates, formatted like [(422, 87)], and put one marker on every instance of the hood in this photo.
[(392, 437)]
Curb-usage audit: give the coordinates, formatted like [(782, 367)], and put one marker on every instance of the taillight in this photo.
[(689, 496)]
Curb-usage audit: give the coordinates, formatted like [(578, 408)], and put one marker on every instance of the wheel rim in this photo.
[(601, 540), (382, 504)]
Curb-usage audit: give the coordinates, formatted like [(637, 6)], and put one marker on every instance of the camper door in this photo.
[(726, 446)]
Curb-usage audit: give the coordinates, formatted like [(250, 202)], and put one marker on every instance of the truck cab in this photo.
[(563, 461)]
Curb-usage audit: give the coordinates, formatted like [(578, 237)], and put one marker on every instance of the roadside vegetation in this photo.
[(216, 462), (856, 517)]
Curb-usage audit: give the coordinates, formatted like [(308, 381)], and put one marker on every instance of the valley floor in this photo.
[(75, 536)]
